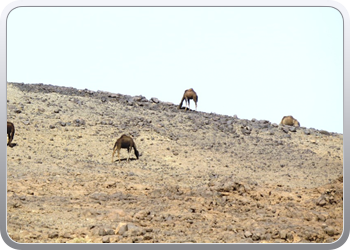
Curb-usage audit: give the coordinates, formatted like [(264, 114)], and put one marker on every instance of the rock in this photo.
[(141, 214), (110, 184), (246, 130), (102, 232), (324, 132), (99, 196), (147, 237), (155, 100), (106, 239), (283, 234), (321, 201), (292, 129), (67, 235), (121, 228), (130, 101), (53, 235), (285, 130), (134, 230), (330, 231), (79, 122), (247, 234), (257, 236)]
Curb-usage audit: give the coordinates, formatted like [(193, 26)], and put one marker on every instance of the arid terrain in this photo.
[(200, 178)]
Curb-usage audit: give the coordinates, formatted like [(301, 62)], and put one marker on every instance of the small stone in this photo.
[(330, 231), (247, 234), (292, 129), (53, 235), (121, 228), (155, 100), (110, 184), (106, 239), (321, 201), (324, 132)]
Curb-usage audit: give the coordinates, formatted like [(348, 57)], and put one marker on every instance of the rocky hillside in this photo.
[(201, 177)]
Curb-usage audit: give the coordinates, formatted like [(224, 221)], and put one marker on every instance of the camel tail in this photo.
[(182, 101), (136, 152)]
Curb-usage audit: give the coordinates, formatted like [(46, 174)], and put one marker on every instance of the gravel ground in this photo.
[(201, 177)]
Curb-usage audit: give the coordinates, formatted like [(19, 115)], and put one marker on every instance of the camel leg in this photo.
[(9, 139), (113, 153), (129, 150), (118, 154), (196, 105)]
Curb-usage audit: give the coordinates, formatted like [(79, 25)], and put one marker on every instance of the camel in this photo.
[(125, 142), (188, 95), (290, 120), (10, 133)]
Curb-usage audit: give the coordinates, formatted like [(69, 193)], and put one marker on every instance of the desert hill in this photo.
[(201, 177)]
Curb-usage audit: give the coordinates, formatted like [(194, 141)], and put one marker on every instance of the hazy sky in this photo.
[(255, 62)]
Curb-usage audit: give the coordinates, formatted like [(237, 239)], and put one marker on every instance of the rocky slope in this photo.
[(201, 177)]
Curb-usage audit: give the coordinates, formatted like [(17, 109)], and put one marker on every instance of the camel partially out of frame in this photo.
[(10, 133), (125, 142), (290, 120), (188, 95)]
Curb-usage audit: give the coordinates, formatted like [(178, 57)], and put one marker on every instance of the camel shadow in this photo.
[(188, 109), (126, 159)]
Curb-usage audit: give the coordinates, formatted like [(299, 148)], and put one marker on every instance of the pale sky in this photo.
[(255, 62)]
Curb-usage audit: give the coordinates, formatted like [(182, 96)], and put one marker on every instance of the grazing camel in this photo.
[(10, 133), (125, 142), (188, 95), (289, 120)]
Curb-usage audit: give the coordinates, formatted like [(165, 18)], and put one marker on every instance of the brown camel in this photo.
[(10, 133), (290, 120), (188, 95), (125, 142)]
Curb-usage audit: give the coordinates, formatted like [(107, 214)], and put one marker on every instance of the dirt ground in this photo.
[(201, 177)]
